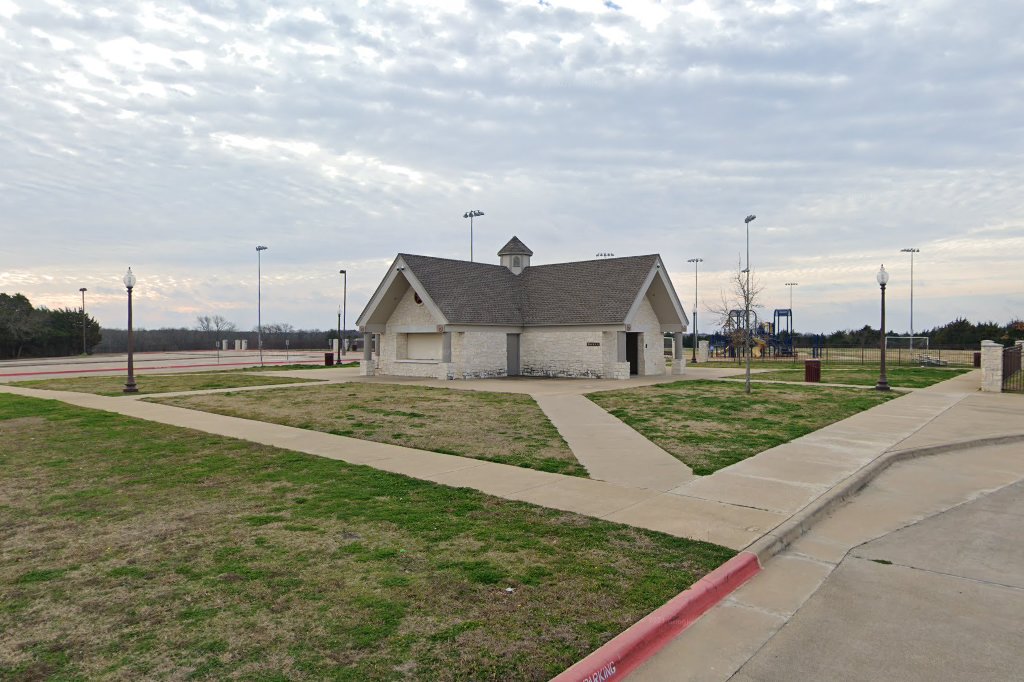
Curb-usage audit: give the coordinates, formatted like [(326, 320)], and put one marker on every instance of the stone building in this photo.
[(451, 319)]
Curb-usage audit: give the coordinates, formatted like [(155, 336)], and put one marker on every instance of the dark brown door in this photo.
[(633, 352)]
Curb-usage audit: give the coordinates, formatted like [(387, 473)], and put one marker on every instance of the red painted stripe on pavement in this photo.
[(109, 369), (629, 650)]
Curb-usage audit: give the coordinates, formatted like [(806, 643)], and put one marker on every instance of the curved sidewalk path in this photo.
[(734, 507)]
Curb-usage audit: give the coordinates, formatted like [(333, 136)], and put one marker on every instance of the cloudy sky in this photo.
[(175, 136)]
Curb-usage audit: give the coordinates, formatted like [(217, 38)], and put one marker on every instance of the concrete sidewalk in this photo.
[(741, 628), (610, 450), (734, 507)]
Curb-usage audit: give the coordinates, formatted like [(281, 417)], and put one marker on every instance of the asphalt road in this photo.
[(949, 606)]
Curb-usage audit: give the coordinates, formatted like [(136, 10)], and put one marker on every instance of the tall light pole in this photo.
[(344, 312), (129, 386), (792, 327), (259, 300), (83, 290), (746, 301), (883, 382), (694, 261), (911, 251), (471, 214)]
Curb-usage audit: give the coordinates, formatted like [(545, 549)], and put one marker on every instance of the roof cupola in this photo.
[(515, 255)]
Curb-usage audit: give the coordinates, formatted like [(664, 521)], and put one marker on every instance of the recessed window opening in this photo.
[(516, 262)]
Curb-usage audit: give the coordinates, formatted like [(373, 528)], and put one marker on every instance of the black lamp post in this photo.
[(471, 214), (883, 382), (83, 290), (694, 261), (129, 386), (746, 302)]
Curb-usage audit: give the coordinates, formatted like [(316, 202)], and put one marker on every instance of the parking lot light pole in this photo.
[(792, 327), (695, 261), (746, 302), (259, 300), (911, 251), (344, 313), (83, 290), (883, 381), (129, 386), (471, 214)]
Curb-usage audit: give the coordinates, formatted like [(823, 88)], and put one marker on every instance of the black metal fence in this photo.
[(1013, 378), (864, 355)]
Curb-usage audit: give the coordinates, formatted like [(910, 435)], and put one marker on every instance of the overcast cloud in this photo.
[(176, 136)]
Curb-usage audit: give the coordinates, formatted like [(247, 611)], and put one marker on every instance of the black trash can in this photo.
[(329, 359), (812, 370), (977, 358)]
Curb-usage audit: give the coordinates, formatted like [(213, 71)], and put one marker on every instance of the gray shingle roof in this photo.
[(515, 248), (584, 292)]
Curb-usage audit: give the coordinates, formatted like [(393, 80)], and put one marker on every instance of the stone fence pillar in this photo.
[(991, 367)]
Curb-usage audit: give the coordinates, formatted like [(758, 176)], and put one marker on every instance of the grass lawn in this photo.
[(158, 383), (293, 367), (709, 425), (499, 427), (902, 377), (135, 550)]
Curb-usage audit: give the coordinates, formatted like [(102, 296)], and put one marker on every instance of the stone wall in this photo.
[(408, 313), (653, 352), (478, 354), (562, 353)]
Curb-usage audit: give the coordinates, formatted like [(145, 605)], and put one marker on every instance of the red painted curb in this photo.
[(626, 652)]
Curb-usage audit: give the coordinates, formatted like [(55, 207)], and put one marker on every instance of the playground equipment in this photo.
[(767, 339)]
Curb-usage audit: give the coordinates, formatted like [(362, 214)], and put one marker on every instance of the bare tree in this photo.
[(736, 312), (214, 323)]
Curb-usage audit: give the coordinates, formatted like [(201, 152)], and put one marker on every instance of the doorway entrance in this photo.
[(633, 352), (512, 353)]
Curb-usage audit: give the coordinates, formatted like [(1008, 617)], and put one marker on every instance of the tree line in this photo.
[(212, 331), (27, 331), (958, 334)]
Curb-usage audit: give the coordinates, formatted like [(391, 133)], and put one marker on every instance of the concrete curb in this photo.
[(627, 651), (786, 533)]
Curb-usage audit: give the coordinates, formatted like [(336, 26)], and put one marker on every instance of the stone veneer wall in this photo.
[(407, 313), (991, 366), (561, 353), (478, 354), (646, 321)]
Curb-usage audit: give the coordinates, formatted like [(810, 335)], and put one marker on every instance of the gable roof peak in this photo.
[(515, 248)]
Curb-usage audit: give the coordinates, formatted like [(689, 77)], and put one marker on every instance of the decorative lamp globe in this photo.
[(882, 276), (129, 279)]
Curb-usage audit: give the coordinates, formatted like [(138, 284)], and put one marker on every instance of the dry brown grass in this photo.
[(709, 425), (133, 550), (159, 383), (499, 427)]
